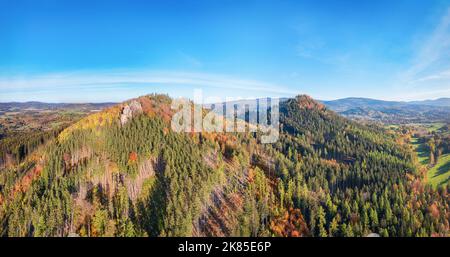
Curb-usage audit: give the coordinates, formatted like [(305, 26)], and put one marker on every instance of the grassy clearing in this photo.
[(433, 127), (421, 149), (440, 173), (393, 126)]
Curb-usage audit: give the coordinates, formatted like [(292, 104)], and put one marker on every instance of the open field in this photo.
[(433, 127), (440, 173), (421, 150)]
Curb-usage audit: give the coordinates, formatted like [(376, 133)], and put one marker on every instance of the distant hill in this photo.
[(392, 111), (351, 102), (389, 112), (9, 106), (346, 104), (438, 102)]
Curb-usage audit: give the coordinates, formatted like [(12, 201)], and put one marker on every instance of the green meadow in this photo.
[(440, 174), (421, 150)]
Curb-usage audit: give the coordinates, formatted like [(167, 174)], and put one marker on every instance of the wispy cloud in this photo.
[(429, 72), (190, 60), (442, 75), (434, 49), (118, 81), (317, 50), (430, 94)]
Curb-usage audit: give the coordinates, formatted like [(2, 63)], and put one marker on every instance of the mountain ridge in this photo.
[(106, 175), (392, 112), (439, 102)]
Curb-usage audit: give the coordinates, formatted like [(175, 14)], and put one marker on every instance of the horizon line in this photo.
[(233, 100)]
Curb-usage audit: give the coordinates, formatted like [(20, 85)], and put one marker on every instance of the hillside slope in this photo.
[(124, 172)]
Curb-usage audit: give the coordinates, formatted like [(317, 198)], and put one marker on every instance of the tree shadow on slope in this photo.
[(442, 169), (422, 152)]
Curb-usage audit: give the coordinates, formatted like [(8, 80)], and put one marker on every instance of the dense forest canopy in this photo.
[(115, 175)]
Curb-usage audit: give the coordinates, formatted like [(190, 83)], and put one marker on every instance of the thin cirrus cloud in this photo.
[(443, 75), (120, 85), (429, 74), (431, 94)]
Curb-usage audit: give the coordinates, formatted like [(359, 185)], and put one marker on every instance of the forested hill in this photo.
[(124, 172)]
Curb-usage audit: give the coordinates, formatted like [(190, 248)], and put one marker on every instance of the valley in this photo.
[(429, 141), (36, 116), (393, 112)]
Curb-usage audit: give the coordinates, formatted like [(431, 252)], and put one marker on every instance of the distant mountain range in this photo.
[(354, 102), (437, 102), (394, 112), (11, 106), (390, 112), (336, 105)]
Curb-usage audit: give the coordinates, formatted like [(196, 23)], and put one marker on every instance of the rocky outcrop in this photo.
[(110, 179), (134, 185), (6, 161), (129, 111), (77, 156)]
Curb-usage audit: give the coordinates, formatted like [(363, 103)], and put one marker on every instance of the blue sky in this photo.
[(94, 51)]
